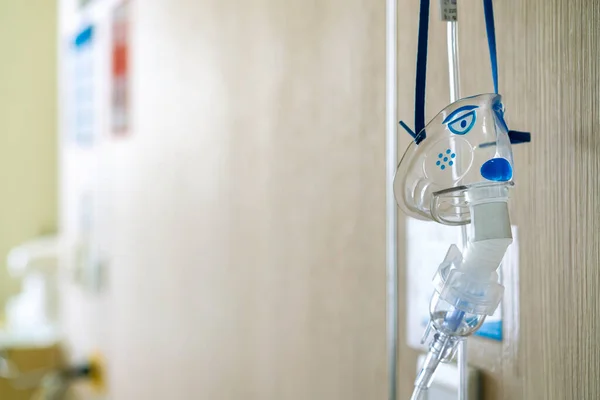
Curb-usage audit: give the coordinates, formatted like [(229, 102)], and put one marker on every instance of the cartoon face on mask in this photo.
[(464, 146)]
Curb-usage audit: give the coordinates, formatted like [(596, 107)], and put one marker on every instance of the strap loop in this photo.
[(488, 11), (421, 75)]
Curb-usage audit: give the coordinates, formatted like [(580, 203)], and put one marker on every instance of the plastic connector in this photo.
[(466, 283)]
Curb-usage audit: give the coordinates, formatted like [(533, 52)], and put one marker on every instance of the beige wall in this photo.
[(251, 203), (247, 210), (28, 205)]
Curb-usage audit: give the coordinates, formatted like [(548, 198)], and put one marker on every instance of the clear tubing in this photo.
[(418, 393), (462, 370), (391, 145), (434, 356), (452, 36), (454, 79)]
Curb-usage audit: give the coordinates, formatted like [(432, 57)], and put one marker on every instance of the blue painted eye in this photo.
[(460, 121), (463, 125)]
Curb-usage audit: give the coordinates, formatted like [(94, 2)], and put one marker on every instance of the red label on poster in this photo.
[(120, 69)]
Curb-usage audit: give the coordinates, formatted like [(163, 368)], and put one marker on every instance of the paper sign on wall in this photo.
[(81, 88), (120, 70)]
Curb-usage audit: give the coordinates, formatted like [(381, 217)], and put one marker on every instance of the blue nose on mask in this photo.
[(497, 169)]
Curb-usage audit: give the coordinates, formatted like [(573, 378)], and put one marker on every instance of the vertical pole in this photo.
[(453, 73), (454, 78), (391, 144)]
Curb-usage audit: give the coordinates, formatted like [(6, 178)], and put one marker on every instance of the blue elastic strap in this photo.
[(517, 137), (421, 76), (488, 11), (421, 66)]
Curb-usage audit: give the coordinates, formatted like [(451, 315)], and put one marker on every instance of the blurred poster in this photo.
[(120, 70), (81, 85), (83, 3)]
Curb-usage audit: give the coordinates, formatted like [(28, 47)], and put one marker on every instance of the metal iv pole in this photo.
[(391, 210), (391, 145), (454, 80)]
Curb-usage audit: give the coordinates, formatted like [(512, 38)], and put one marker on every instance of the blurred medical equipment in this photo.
[(458, 171)]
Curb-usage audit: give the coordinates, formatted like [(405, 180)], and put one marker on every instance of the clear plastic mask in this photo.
[(465, 146)]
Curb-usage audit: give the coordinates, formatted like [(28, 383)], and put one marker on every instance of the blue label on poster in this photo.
[(81, 87)]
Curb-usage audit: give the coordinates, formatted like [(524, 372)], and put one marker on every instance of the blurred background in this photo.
[(193, 197)]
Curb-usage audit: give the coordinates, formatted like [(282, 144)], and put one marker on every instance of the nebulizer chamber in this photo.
[(458, 171)]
